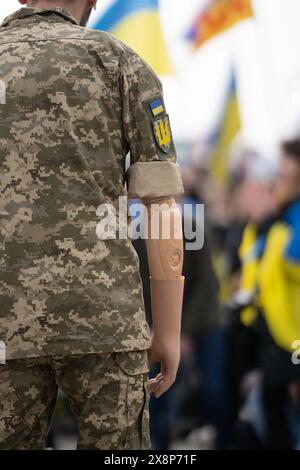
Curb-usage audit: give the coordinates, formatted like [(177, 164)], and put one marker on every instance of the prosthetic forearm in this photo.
[(165, 258)]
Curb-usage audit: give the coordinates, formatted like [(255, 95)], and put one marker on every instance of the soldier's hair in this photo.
[(292, 148)]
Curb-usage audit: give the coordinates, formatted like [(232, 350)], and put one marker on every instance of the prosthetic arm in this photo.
[(165, 257), (153, 182)]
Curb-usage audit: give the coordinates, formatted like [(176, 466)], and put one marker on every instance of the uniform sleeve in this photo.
[(153, 172)]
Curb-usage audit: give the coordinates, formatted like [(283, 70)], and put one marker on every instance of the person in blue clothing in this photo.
[(289, 194), (270, 255), (281, 374)]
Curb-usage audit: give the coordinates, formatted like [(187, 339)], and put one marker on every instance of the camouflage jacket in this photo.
[(76, 102)]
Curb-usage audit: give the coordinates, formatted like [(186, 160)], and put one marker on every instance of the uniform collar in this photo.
[(26, 12)]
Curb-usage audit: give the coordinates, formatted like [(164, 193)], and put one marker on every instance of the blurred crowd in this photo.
[(238, 384)]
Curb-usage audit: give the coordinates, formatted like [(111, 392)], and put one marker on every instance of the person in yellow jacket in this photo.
[(270, 277)]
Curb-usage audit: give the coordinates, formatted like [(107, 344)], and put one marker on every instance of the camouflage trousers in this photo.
[(108, 395)]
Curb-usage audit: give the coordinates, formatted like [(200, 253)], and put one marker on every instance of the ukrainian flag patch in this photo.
[(161, 129), (157, 107)]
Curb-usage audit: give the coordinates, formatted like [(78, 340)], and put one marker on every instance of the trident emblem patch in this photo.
[(163, 135)]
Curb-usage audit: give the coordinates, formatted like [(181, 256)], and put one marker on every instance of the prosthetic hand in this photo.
[(165, 258)]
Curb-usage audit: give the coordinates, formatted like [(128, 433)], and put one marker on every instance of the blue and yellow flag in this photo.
[(137, 23), (222, 138), (219, 16)]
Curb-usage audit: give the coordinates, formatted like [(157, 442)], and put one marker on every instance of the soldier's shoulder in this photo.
[(105, 41)]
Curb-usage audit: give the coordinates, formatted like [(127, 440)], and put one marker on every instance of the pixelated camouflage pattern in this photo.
[(108, 394), (74, 108)]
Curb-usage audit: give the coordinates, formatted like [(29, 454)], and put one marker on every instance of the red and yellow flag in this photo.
[(219, 16)]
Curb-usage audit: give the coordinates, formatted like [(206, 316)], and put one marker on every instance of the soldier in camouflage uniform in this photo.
[(72, 313)]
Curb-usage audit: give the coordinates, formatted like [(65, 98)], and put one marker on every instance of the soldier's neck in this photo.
[(74, 8)]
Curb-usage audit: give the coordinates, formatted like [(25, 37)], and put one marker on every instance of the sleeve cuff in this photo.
[(152, 180)]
